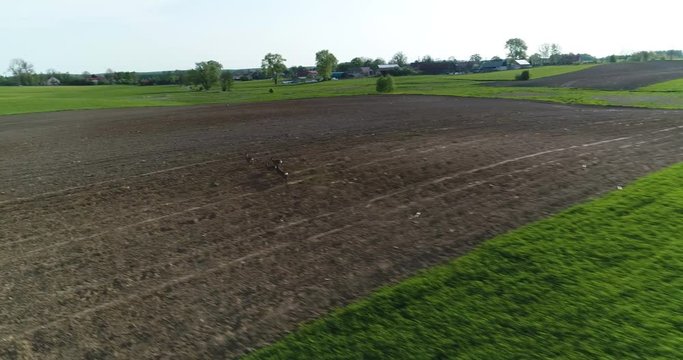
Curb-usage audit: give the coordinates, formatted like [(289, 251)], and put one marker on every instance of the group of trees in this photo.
[(551, 54), (207, 74), (359, 62), (23, 74), (22, 71), (642, 56)]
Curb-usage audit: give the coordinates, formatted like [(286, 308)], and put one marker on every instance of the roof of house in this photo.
[(522, 62), (493, 63), (388, 66)]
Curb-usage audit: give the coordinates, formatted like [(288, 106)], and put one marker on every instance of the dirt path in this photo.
[(145, 234)]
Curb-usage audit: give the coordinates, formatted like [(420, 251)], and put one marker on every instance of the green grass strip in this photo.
[(602, 280), (535, 73), (667, 86)]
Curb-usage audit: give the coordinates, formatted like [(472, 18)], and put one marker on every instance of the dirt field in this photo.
[(621, 76), (145, 234)]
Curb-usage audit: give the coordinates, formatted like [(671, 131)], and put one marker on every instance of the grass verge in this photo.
[(601, 280)]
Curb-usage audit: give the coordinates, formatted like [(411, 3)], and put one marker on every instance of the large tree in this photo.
[(207, 73), (544, 51), (360, 61), (516, 48), (476, 58), (399, 59), (22, 71), (273, 65), (325, 62)]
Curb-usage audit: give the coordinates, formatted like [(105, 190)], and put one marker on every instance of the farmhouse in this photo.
[(384, 69), (53, 81), (363, 71), (493, 65), (520, 64), (94, 79)]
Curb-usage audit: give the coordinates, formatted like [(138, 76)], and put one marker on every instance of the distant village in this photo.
[(358, 67)]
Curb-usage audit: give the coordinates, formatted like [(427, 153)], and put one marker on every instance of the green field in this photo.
[(601, 280), (668, 86), (535, 73), (17, 100)]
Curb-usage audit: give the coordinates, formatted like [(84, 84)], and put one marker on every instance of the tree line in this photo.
[(209, 74)]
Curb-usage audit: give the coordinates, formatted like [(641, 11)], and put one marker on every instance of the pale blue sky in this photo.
[(148, 35)]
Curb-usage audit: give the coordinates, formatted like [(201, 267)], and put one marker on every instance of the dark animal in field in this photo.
[(276, 165), (281, 172), (276, 162)]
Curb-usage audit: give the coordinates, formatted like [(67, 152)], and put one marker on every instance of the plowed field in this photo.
[(621, 76), (145, 234)]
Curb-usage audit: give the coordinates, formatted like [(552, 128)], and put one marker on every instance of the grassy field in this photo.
[(535, 73), (668, 86), (602, 280), (17, 100)]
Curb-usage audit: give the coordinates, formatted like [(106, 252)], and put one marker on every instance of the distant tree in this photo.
[(344, 66), (325, 63), (399, 59), (297, 71), (126, 77), (5, 81), (435, 67), (670, 54), (374, 64), (227, 80), (516, 48), (587, 58), (612, 58), (544, 51), (273, 65), (536, 59), (476, 58), (206, 73), (22, 71), (427, 59), (555, 49), (496, 58), (109, 76), (564, 59), (360, 61)]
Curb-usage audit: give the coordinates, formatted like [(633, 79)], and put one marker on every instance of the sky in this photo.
[(152, 35)]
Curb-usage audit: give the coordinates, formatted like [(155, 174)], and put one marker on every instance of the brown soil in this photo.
[(621, 76), (145, 234)]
